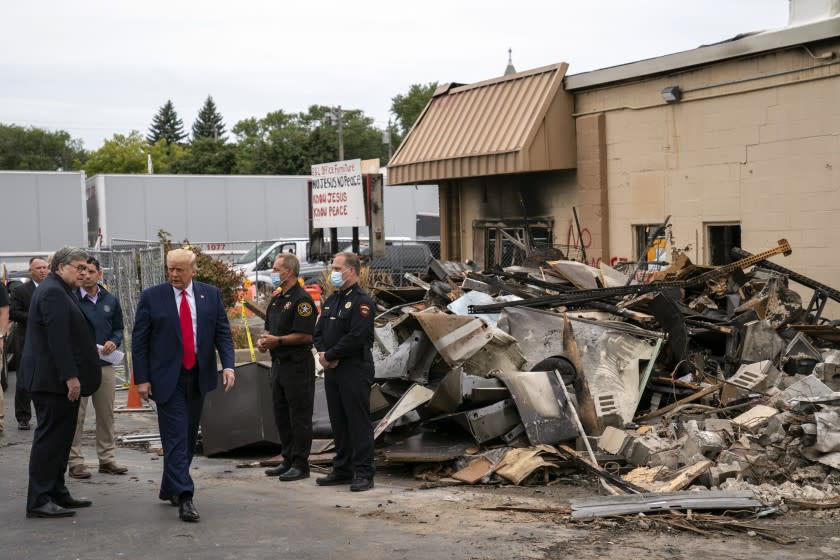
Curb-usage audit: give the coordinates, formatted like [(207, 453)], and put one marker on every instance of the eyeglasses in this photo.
[(78, 267)]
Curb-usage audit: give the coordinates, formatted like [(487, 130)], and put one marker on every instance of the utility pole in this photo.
[(386, 138), (340, 133)]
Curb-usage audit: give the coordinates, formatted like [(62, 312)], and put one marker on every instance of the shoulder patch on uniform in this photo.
[(364, 310), (304, 309)]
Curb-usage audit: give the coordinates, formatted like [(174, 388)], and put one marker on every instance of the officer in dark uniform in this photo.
[(343, 338), (290, 321)]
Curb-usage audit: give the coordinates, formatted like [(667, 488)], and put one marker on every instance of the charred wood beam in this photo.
[(580, 296), (795, 276)]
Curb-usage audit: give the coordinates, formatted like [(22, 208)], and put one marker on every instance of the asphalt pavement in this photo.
[(244, 514)]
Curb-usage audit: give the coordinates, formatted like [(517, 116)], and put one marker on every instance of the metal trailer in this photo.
[(225, 207), (41, 211)]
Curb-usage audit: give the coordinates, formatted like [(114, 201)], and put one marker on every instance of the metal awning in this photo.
[(515, 124)]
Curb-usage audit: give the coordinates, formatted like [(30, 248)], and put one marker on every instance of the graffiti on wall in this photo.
[(585, 240)]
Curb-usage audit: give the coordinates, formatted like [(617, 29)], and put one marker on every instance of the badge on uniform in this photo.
[(364, 310), (287, 306), (348, 305), (304, 309)]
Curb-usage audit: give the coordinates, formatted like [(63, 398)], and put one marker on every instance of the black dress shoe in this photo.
[(23, 425), (50, 509), (278, 470), (293, 473), (173, 500), (334, 479), (361, 484), (187, 511), (72, 503)]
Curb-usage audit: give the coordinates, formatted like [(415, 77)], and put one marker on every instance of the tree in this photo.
[(406, 108), (36, 149), (130, 154), (209, 123), (166, 125), (288, 143), (207, 156)]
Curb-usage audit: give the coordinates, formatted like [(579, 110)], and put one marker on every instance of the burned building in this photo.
[(736, 141)]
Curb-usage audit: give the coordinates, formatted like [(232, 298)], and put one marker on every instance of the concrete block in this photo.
[(755, 418), (642, 448), (829, 374), (756, 376), (669, 458), (719, 425), (614, 440), (724, 471)]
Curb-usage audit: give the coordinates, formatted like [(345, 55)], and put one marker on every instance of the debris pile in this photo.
[(715, 378)]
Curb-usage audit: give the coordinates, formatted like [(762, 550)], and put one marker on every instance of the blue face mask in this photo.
[(336, 279), (276, 281)]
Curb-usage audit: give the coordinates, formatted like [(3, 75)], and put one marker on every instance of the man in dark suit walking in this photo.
[(59, 364), (21, 297), (178, 327)]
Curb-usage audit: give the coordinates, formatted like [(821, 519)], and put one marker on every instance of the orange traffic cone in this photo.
[(134, 404)]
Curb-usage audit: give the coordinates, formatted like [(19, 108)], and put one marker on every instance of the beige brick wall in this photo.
[(764, 152)]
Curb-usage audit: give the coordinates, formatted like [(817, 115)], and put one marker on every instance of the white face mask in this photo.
[(276, 281), (336, 279)]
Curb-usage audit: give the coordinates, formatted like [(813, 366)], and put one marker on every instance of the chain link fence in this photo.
[(129, 267)]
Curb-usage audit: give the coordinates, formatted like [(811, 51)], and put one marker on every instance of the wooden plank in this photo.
[(611, 478), (686, 400)]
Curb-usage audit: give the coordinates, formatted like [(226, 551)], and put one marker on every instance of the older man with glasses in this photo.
[(59, 365)]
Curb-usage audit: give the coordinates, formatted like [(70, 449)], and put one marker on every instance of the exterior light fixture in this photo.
[(672, 94)]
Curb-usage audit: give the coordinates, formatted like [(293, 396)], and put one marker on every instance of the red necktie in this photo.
[(187, 332)]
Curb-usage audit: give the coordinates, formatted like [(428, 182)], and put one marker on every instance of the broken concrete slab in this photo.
[(614, 440), (828, 431), (754, 418), (757, 376), (722, 472)]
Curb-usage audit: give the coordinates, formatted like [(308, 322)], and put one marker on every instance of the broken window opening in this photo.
[(650, 254), (721, 239), (510, 243)]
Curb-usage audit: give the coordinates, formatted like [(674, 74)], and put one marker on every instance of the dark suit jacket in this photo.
[(59, 342), (156, 346), (19, 302)]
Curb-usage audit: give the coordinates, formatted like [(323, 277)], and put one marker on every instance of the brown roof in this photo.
[(513, 124)]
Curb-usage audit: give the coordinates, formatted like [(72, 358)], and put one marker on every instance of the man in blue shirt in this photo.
[(105, 314)]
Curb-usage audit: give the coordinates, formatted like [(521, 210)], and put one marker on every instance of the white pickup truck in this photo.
[(256, 264)]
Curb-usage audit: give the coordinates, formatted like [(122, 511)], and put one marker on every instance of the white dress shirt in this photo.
[(191, 302)]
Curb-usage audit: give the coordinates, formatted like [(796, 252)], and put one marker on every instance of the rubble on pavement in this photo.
[(722, 379)]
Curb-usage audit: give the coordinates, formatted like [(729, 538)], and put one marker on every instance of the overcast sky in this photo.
[(99, 67)]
